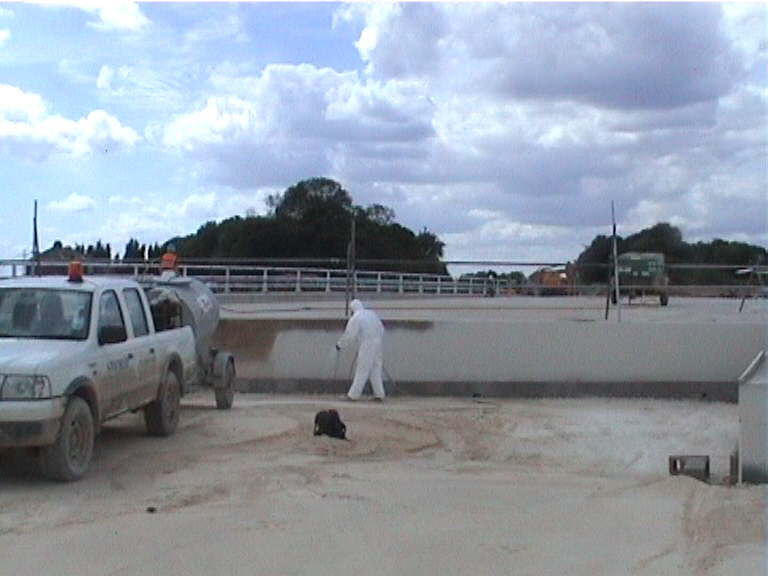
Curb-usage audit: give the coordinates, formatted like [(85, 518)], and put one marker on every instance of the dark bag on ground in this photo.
[(329, 423)]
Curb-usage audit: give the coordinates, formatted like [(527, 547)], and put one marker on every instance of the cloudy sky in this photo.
[(505, 129)]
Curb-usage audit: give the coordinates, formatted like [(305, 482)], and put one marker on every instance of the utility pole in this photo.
[(351, 284), (35, 243), (616, 265)]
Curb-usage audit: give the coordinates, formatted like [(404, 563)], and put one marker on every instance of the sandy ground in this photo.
[(424, 486)]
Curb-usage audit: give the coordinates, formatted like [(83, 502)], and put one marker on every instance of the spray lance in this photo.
[(336, 363)]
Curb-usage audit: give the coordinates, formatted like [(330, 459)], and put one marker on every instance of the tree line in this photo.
[(313, 220), (700, 263), (134, 251)]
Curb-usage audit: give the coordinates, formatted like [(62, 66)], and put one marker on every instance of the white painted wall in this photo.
[(470, 351)]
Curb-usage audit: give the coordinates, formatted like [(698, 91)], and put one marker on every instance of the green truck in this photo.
[(640, 274)]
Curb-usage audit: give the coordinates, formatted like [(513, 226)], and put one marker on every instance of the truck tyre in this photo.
[(226, 394), (69, 458), (162, 415)]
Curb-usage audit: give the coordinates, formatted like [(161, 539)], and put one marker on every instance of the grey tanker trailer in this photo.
[(185, 301)]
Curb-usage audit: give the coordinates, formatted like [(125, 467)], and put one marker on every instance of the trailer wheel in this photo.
[(162, 415), (69, 458), (225, 395)]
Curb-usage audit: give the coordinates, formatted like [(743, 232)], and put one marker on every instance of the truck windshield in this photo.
[(44, 313)]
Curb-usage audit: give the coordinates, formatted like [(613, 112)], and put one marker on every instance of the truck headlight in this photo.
[(20, 387)]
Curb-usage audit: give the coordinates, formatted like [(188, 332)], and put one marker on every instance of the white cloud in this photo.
[(142, 88), (222, 118), (101, 131), (114, 14), (491, 241), (20, 107), (745, 23), (73, 71), (618, 56), (302, 101), (73, 203), (445, 133), (151, 217), (507, 129), (4, 35), (198, 205), (104, 81), (229, 27), (296, 120), (28, 130)]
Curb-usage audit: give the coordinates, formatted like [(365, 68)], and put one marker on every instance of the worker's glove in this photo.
[(337, 346)]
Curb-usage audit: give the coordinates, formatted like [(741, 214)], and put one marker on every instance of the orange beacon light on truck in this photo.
[(75, 271), (169, 261)]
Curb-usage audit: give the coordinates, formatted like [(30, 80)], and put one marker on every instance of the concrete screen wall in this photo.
[(504, 358), (753, 414)]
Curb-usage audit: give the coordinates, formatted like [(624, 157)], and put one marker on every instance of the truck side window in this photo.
[(136, 312), (111, 318)]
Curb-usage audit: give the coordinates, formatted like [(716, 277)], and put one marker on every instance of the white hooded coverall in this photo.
[(365, 327)]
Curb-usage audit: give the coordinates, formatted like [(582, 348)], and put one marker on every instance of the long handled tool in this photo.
[(336, 364)]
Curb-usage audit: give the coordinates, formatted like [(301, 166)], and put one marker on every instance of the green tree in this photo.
[(593, 262), (133, 251), (662, 237), (718, 258), (313, 219), (311, 198), (430, 245), (381, 215)]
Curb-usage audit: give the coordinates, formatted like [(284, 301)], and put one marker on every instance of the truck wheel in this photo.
[(162, 415), (68, 459), (226, 394)]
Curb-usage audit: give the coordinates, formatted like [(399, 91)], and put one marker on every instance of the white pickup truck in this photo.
[(75, 352)]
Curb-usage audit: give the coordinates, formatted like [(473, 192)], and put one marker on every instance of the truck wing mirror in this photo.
[(112, 334)]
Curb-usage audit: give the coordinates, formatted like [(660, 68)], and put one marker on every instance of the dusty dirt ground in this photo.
[(424, 486)]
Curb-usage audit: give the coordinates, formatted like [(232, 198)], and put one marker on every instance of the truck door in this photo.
[(116, 359), (148, 372)]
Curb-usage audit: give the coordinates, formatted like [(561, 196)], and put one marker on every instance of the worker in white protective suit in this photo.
[(365, 327)]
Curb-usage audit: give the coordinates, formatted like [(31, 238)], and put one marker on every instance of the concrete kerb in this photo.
[(704, 391)]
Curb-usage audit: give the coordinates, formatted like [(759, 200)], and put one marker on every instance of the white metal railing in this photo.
[(247, 279), (236, 278)]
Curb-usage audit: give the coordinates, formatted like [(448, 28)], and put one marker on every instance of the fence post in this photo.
[(264, 283), (298, 280)]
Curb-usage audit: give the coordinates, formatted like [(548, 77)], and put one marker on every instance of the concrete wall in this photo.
[(549, 358), (753, 437)]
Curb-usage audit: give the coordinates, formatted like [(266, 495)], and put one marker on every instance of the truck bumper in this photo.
[(30, 422)]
